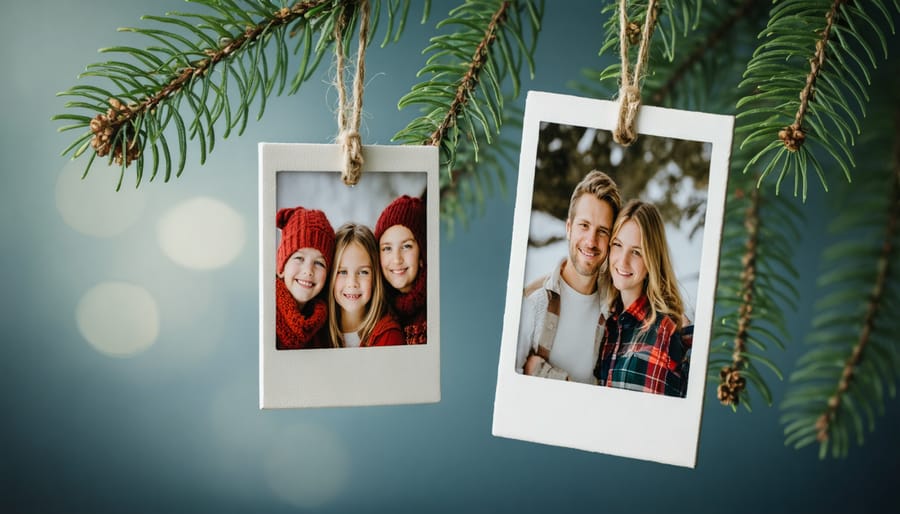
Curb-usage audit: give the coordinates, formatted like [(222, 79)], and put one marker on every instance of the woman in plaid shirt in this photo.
[(644, 348)]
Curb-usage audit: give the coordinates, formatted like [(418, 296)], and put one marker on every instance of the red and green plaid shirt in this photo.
[(651, 359)]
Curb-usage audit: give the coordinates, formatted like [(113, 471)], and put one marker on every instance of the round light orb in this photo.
[(118, 319), (201, 233)]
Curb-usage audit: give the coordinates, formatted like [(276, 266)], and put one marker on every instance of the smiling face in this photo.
[(399, 257), (304, 274), (626, 262), (353, 280), (588, 233)]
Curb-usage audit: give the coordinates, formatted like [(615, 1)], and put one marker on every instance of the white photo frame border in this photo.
[(340, 377), (595, 418)]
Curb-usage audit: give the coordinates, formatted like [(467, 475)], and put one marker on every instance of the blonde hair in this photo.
[(599, 185), (347, 234), (661, 284)]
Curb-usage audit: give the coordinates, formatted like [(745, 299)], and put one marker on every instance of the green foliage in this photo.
[(201, 72), (756, 289), (810, 78), (464, 190), (674, 21), (844, 381), (464, 97)]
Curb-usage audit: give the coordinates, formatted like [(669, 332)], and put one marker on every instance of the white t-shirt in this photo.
[(573, 346), (351, 339)]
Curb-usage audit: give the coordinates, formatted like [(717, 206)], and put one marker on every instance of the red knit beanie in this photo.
[(303, 228), (407, 211)]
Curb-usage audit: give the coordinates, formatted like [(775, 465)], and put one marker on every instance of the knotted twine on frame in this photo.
[(349, 115), (630, 86)]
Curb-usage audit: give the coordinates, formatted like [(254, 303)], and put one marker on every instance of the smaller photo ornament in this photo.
[(612, 277), (349, 293)]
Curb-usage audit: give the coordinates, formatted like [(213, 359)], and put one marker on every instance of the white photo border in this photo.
[(331, 377), (604, 419)]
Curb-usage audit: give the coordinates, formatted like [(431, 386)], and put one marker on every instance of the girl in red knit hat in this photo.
[(303, 260), (400, 232), (357, 306)]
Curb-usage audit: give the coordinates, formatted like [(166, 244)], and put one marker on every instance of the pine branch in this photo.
[(466, 188), (467, 84), (711, 42), (675, 19), (753, 293), (732, 383), (840, 384), (791, 108), (702, 78), (200, 59), (465, 98)]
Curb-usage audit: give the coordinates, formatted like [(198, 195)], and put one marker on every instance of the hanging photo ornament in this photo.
[(587, 359), (349, 299)]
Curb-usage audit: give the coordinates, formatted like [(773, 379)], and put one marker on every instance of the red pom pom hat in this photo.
[(407, 211), (303, 228)]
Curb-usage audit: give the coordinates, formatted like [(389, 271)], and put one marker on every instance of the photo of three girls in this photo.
[(351, 287)]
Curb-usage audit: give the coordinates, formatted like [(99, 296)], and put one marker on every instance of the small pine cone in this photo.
[(722, 394), (106, 128), (102, 131), (792, 136), (724, 372), (633, 33), (726, 395)]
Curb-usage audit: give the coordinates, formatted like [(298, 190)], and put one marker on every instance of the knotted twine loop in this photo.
[(630, 87), (349, 115)]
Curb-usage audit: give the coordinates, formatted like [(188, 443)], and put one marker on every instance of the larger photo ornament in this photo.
[(612, 277)]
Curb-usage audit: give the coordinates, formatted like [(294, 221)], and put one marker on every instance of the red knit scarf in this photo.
[(409, 305), (296, 328), (411, 312)]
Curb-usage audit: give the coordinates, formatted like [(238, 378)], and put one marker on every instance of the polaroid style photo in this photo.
[(349, 293), (612, 277)]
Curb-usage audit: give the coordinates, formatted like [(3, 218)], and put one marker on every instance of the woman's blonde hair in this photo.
[(347, 234), (661, 284)]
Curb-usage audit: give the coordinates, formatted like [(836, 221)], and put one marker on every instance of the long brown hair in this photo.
[(347, 234), (661, 284)]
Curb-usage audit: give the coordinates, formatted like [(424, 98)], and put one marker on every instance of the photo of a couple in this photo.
[(610, 312), (612, 276)]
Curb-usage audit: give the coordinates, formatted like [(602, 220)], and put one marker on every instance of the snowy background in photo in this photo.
[(547, 244), (341, 203)]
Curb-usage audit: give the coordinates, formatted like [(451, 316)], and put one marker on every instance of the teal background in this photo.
[(177, 428)]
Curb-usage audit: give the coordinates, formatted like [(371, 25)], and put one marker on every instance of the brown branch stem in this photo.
[(731, 382), (883, 265), (106, 127), (715, 37), (470, 79), (793, 135)]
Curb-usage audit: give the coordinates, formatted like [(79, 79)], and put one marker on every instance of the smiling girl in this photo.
[(357, 305), (400, 232), (644, 348), (303, 259)]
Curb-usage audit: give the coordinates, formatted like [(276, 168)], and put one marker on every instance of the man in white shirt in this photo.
[(564, 313)]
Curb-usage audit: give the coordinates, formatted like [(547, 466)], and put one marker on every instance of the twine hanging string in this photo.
[(630, 87), (349, 115)]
